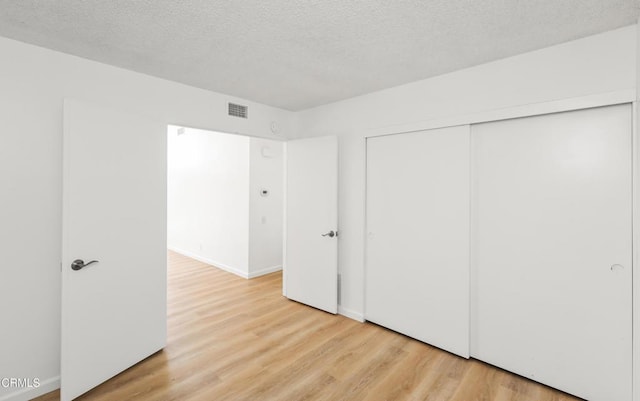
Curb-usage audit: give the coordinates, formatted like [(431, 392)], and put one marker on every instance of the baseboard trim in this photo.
[(351, 314), (264, 271), (208, 261), (26, 394)]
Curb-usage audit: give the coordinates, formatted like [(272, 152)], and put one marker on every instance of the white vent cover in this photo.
[(238, 110)]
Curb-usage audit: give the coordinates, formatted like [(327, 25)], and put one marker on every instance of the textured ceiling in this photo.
[(300, 54)]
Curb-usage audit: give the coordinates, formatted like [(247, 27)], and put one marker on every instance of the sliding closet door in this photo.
[(417, 276), (551, 266)]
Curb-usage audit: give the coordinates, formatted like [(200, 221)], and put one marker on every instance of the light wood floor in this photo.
[(237, 339)]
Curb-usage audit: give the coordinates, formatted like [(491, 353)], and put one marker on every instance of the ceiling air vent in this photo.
[(238, 110)]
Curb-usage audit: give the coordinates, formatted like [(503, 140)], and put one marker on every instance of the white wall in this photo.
[(265, 216), (597, 64), (208, 197), (33, 83)]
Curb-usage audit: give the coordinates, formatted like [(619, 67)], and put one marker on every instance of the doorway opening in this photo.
[(225, 195)]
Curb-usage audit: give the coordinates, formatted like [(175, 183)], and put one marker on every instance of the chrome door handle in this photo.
[(330, 234), (79, 264)]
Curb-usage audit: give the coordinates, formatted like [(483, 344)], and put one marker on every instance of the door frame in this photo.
[(628, 96)]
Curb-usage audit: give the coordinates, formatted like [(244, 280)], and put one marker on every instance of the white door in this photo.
[(114, 212), (417, 276), (311, 246), (552, 250)]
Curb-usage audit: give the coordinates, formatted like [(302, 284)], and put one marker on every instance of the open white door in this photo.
[(311, 254), (114, 211)]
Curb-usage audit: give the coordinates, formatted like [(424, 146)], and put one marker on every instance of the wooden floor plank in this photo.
[(235, 339)]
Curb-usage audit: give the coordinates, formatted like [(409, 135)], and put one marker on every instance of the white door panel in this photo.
[(551, 270), (311, 259), (417, 277), (114, 211)]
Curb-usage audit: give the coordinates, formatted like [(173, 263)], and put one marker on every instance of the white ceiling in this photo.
[(300, 54)]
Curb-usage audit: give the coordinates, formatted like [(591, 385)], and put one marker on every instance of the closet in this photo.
[(418, 235), (510, 242)]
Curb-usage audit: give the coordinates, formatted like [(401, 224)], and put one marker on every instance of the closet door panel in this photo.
[(417, 276), (552, 251)]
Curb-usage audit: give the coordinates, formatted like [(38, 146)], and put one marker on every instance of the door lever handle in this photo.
[(330, 234), (79, 264)]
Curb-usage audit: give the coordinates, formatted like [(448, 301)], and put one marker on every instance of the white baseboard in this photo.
[(211, 262), (264, 271), (351, 314), (26, 394)]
